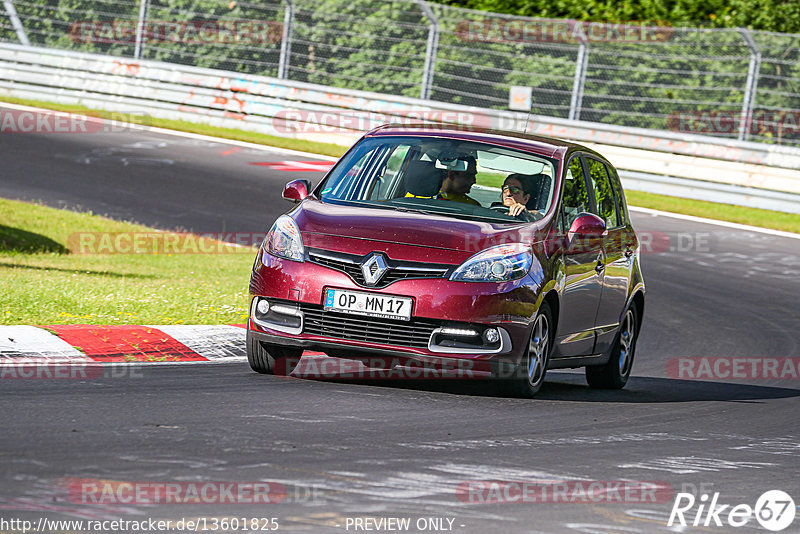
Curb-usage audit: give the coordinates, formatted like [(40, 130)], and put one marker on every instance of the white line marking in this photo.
[(189, 135)]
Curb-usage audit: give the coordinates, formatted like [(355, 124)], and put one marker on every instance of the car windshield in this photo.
[(440, 176)]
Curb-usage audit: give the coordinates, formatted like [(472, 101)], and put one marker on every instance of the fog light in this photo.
[(491, 335), (262, 307)]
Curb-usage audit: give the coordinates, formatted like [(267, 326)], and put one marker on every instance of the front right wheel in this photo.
[(271, 359), (614, 374)]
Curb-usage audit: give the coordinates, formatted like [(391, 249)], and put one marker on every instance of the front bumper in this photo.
[(438, 304), (394, 356)]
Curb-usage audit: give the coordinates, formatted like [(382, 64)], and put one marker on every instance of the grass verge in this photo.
[(42, 281), (725, 212), (777, 220)]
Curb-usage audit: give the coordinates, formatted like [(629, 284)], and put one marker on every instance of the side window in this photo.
[(387, 175), (364, 176), (619, 195), (576, 196), (603, 193)]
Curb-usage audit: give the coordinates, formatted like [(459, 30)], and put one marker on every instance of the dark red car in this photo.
[(503, 253)]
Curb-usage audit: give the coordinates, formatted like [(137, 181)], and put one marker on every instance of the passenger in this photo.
[(457, 184)]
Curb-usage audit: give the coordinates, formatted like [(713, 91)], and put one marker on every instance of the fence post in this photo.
[(141, 26), (581, 63), (286, 41), (746, 119), (430, 50), (16, 23)]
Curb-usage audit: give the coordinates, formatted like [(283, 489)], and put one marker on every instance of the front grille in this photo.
[(413, 333), (353, 270), (350, 264)]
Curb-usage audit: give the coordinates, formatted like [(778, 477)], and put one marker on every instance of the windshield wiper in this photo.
[(412, 210)]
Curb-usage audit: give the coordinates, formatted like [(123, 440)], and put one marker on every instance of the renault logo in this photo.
[(373, 268)]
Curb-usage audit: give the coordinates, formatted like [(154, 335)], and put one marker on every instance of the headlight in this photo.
[(497, 264), (283, 239)]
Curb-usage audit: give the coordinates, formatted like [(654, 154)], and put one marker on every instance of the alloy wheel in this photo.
[(538, 350), (626, 342)]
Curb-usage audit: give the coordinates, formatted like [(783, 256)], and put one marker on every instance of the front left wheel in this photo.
[(271, 359), (615, 373), (529, 375)]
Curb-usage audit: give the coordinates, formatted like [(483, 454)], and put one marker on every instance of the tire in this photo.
[(614, 374), (529, 374), (271, 359)]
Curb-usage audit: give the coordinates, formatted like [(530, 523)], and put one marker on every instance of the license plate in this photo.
[(370, 304)]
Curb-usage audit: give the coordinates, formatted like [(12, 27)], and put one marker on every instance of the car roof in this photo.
[(548, 146)]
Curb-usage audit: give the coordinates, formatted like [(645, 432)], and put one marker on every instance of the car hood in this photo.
[(315, 218)]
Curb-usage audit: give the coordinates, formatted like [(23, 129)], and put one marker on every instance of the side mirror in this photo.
[(296, 190), (587, 225)]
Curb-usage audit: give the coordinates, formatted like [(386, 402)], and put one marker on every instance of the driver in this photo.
[(457, 183), (516, 193)]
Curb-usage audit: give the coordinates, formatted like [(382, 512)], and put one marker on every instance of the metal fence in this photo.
[(736, 83)]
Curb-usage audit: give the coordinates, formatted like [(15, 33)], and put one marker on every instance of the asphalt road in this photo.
[(367, 449)]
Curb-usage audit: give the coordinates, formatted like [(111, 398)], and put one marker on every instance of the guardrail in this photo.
[(731, 83), (751, 174)]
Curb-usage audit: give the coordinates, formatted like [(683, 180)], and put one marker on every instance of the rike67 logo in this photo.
[(774, 510)]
